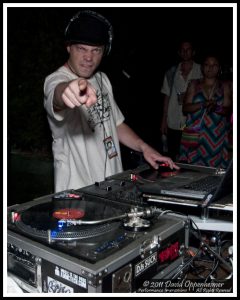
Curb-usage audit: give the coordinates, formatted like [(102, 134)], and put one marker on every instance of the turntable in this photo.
[(75, 242)]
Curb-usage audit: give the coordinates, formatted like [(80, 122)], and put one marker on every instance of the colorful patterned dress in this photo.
[(213, 148)]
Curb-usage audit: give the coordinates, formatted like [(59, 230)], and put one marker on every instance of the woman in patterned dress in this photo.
[(208, 99)]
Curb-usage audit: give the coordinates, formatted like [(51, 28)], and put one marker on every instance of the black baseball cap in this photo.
[(88, 27)]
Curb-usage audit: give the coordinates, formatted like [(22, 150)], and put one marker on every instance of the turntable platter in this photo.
[(44, 221)]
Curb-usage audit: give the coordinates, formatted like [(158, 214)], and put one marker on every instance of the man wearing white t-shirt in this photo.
[(86, 123), (174, 86)]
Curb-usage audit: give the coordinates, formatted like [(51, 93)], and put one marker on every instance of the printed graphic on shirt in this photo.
[(99, 112)]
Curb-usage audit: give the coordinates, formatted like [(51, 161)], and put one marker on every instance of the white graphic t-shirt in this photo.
[(80, 156)]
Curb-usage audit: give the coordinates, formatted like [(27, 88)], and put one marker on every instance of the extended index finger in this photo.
[(82, 84)]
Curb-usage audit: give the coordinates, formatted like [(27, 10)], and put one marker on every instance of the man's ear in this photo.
[(68, 49)]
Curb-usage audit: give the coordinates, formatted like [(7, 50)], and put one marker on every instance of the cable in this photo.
[(214, 268), (189, 262), (218, 256)]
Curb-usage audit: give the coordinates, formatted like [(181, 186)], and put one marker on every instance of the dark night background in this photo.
[(145, 45)]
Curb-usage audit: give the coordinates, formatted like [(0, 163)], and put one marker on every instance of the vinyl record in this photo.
[(154, 175), (45, 222), (150, 175)]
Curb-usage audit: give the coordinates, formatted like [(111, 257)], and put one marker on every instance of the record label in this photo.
[(68, 213), (169, 174)]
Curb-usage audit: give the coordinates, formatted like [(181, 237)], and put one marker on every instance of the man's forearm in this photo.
[(129, 138)]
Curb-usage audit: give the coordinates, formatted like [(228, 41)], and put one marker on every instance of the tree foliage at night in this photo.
[(31, 57)]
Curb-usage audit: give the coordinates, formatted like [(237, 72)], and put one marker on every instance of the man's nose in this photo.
[(88, 55)]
